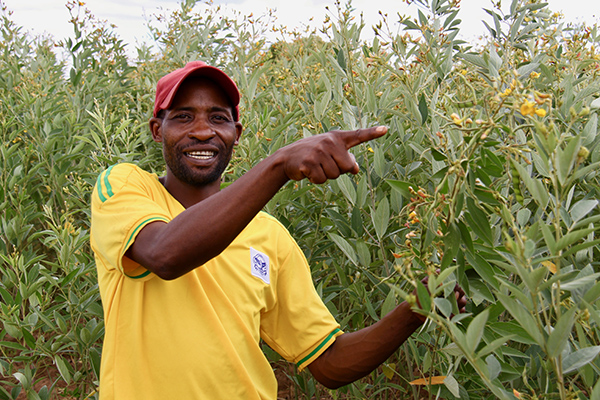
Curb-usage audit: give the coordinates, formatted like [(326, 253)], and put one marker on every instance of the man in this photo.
[(192, 277)]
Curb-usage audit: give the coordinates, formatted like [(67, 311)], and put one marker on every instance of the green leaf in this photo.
[(29, 339), (381, 218), (23, 380), (341, 60), (474, 59), (548, 238), (581, 209), (579, 282), (444, 306), (596, 392), (437, 155), (452, 385), (379, 162), (595, 103), (483, 269), (13, 345), (523, 216), (465, 236), (347, 187), (344, 246), (423, 296), (63, 369), (566, 159), (475, 330), (478, 221), (388, 304), (523, 317), (364, 255), (494, 345), (452, 350), (592, 294), (590, 130), (451, 245), (570, 238), (400, 186), (423, 109), (579, 358), (12, 329), (559, 336), (494, 367)]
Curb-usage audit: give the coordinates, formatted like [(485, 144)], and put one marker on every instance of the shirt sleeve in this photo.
[(122, 204), (299, 326)]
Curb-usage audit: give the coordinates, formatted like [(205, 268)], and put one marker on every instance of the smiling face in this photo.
[(198, 133)]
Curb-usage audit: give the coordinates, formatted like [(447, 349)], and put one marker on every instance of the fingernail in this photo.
[(380, 129)]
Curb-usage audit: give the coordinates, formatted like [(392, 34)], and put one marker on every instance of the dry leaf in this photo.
[(550, 265), (434, 380)]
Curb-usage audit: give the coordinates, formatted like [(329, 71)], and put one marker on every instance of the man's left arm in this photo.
[(356, 354)]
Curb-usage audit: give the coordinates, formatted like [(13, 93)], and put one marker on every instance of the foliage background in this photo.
[(488, 177)]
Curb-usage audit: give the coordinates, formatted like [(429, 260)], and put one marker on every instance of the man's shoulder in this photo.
[(114, 178), (124, 170), (268, 227), (264, 219)]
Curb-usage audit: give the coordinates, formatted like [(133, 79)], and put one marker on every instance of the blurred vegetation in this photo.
[(488, 177)]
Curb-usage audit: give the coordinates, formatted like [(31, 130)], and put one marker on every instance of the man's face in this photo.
[(198, 133)]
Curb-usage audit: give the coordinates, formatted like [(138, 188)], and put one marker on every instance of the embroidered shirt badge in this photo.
[(259, 265)]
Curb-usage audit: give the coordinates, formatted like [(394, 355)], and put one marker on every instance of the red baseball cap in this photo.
[(169, 84)]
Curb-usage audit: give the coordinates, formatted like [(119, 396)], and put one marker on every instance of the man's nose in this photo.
[(201, 130)]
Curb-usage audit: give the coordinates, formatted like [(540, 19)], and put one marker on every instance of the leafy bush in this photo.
[(488, 177)]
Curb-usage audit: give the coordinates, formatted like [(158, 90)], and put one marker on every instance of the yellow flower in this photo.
[(540, 112), (370, 149), (527, 108), (456, 119), (534, 75), (506, 92)]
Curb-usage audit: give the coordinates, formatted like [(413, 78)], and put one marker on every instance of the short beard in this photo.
[(192, 178)]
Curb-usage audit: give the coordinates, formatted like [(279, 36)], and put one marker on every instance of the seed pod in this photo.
[(516, 181), (583, 153)]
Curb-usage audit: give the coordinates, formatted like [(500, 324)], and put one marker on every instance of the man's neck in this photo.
[(186, 194)]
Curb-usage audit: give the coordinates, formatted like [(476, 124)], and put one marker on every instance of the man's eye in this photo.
[(221, 118)]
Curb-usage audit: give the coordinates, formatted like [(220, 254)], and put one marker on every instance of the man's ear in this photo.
[(239, 129), (155, 128)]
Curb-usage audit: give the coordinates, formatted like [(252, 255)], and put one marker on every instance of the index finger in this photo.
[(353, 138)]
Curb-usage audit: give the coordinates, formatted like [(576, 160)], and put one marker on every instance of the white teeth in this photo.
[(201, 155)]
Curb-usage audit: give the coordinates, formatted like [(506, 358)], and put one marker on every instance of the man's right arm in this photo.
[(205, 229)]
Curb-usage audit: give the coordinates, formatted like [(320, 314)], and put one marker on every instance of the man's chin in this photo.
[(198, 180)]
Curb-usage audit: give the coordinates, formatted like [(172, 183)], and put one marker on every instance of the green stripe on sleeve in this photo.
[(109, 191), (140, 226), (137, 228), (103, 178), (139, 276), (99, 186), (318, 348)]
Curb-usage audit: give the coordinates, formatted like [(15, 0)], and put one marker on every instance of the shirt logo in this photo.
[(259, 265)]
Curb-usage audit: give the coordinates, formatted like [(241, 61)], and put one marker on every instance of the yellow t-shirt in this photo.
[(197, 337)]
